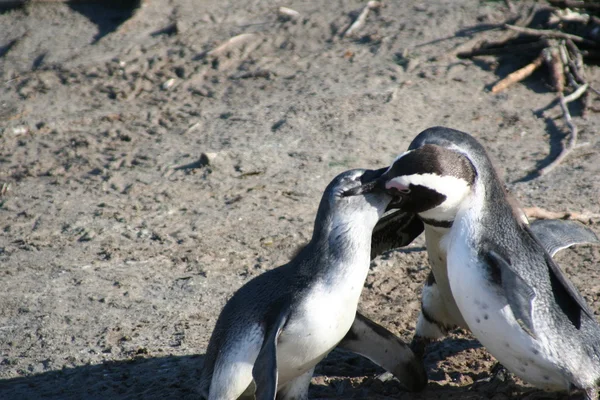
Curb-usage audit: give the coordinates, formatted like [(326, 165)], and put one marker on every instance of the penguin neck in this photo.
[(490, 201), (483, 212), (343, 243)]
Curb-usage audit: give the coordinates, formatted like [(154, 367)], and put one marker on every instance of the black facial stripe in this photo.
[(436, 223), (423, 198), (432, 159)]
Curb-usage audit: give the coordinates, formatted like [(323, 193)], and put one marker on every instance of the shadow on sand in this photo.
[(171, 377), (176, 377)]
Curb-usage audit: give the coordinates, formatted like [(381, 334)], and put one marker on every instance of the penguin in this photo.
[(278, 326), (398, 229), (510, 293), (394, 230), (439, 313)]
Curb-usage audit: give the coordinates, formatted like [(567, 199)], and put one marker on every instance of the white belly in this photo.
[(443, 307), (319, 324), (488, 315)]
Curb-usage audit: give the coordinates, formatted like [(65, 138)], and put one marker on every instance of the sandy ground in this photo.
[(149, 177)]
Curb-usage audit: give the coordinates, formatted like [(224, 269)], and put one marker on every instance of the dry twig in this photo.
[(4, 188), (552, 56), (572, 145), (288, 14), (575, 4), (550, 33), (231, 43), (541, 213), (362, 18), (510, 5), (518, 75), (577, 93)]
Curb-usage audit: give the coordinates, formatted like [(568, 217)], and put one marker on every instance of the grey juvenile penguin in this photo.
[(506, 287), (277, 327)]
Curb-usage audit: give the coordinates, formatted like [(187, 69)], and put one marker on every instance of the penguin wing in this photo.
[(264, 371), (393, 230), (517, 291), (558, 234), (381, 346), (566, 295)]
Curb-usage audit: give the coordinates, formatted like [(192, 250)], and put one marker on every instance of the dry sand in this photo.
[(151, 176)]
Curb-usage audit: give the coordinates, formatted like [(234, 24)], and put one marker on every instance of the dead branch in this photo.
[(555, 65), (552, 56), (510, 6), (541, 213), (576, 65), (572, 145), (287, 14), (236, 41), (501, 48), (549, 33), (524, 19), (362, 18), (518, 75), (4, 188), (575, 4), (577, 93)]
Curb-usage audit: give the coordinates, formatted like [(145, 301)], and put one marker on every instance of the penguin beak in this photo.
[(369, 183), (387, 184)]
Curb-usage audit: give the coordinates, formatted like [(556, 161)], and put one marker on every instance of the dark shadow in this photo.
[(170, 377), (108, 15), (345, 363), (8, 5), (557, 137), (345, 375), (448, 347), (168, 30), (177, 377), (201, 162), (6, 47), (38, 62), (467, 32)]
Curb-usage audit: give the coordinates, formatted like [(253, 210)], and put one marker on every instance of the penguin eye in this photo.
[(399, 192)]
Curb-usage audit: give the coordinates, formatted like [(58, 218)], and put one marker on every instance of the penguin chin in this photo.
[(395, 204)]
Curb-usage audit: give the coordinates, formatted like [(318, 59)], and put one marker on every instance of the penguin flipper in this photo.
[(381, 346), (517, 291), (565, 294), (264, 371), (394, 230), (558, 234)]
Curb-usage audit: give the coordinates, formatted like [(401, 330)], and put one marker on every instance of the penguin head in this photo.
[(354, 194), (435, 176)]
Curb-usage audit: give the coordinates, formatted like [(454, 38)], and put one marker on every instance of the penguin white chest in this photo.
[(487, 313), (320, 321), (446, 310)]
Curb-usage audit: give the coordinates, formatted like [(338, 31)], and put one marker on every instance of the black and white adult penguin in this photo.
[(439, 312), (506, 287), (277, 327)]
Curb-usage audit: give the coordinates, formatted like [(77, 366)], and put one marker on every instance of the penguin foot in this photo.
[(583, 394), (499, 377), (418, 345)]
